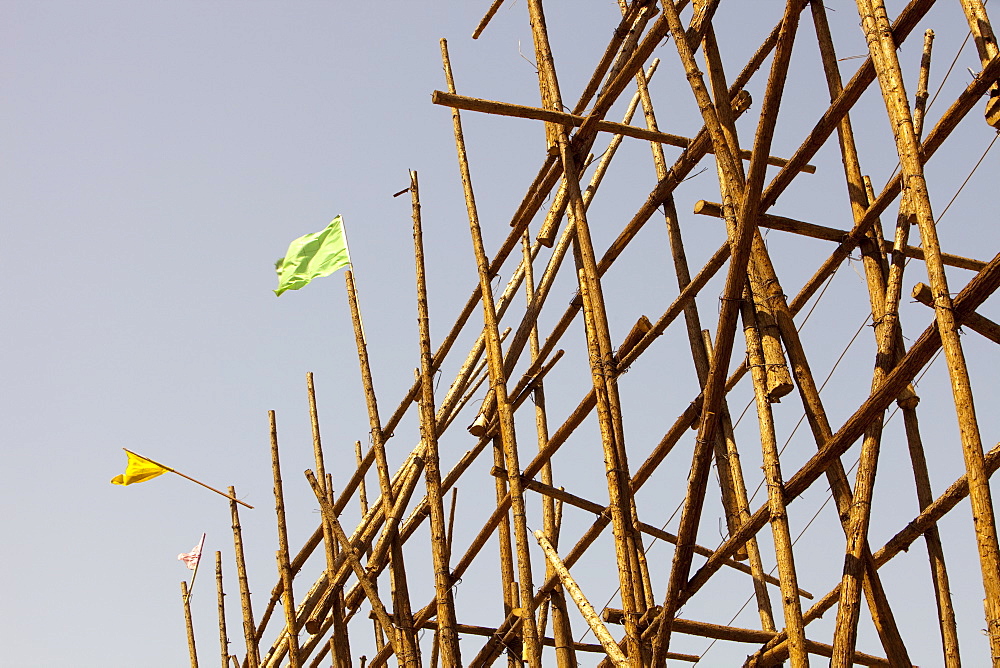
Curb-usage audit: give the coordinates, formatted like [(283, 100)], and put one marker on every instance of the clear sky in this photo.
[(158, 157)]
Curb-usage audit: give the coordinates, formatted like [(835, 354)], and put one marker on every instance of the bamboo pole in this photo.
[(628, 547), (779, 382), (726, 453), (991, 330), (363, 501), (339, 612), (561, 626), (885, 288), (730, 479), (935, 549), (566, 120), (223, 636), (192, 651), (498, 382), (249, 630), (447, 637), (986, 45), (775, 490), (857, 516), (740, 243), (284, 570), (595, 623), (814, 231), (483, 22), (341, 657), (400, 592), (883, 53)]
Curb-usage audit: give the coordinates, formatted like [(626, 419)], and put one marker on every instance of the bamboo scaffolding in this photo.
[(406, 529)]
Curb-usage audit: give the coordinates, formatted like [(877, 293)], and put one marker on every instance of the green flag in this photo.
[(313, 256)]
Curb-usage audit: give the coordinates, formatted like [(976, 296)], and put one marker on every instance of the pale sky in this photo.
[(157, 159)]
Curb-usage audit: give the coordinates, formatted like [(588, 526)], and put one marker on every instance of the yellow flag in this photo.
[(139, 469)]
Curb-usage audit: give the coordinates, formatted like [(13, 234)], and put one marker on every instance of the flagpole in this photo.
[(347, 245), (231, 498), (200, 548)]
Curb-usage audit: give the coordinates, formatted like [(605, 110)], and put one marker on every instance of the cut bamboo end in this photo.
[(478, 428)]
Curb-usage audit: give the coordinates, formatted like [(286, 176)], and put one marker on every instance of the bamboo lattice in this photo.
[(544, 540)]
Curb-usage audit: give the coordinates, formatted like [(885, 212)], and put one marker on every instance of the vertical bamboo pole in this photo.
[(628, 546), (727, 483), (920, 99), (284, 569), (886, 287), (499, 383), (734, 492), (342, 655), (223, 636), (779, 381), (730, 456), (561, 629), (400, 592), (338, 609), (508, 579), (447, 635), (363, 501), (192, 651), (249, 629), (875, 24), (740, 244), (935, 550), (619, 515), (775, 491), (882, 615)]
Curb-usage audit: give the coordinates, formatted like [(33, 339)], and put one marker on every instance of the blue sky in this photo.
[(158, 157)]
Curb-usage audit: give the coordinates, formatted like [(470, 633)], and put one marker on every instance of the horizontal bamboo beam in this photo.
[(737, 634), (649, 529), (985, 326), (713, 209), (487, 631), (466, 103)]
